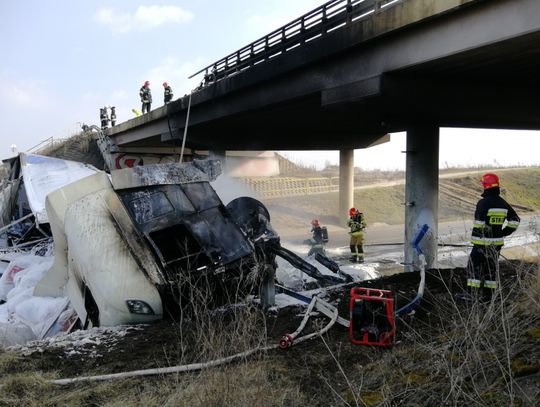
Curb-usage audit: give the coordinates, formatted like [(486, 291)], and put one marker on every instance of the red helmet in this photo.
[(353, 211), (164, 83), (146, 83), (315, 223), (490, 180)]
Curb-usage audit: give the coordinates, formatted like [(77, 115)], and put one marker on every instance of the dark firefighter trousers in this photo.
[(482, 271)]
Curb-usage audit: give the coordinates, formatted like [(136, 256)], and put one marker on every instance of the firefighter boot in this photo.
[(360, 254), (353, 254)]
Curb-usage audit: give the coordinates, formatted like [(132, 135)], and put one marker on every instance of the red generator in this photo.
[(372, 317)]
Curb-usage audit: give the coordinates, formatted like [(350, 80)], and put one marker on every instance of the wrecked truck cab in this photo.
[(186, 226), (93, 265), (126, 244), (177, 215)]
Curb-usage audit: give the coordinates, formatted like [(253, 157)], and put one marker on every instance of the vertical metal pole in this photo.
[(185, 129), (346, 184)]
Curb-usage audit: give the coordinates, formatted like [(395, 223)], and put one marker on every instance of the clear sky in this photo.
[(61, 60)]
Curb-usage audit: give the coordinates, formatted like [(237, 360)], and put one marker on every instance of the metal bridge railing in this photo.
[(280, 187), (329, 17), (46, 145)]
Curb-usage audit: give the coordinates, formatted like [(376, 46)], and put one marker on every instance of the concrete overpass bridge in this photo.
[(345, 74)]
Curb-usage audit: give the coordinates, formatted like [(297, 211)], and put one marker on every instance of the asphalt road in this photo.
[(383, 239)]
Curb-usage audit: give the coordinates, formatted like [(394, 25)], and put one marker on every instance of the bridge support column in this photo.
[(421, 195), (346, 184)]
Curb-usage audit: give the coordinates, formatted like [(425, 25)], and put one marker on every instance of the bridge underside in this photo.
[(476, 66)]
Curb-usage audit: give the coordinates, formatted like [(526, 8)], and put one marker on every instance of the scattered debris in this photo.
[(89, 343)]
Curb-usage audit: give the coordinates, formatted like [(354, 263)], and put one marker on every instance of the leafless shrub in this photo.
[(466, 353)]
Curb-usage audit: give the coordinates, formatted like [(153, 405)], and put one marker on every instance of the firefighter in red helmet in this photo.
[(167, 93), (319, 236), (494, 219), (356, 224), (146, 97)]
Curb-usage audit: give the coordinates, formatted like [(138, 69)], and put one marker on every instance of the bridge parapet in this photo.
[(329, 17)]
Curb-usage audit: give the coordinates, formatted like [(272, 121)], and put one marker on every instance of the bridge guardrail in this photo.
[(46, 145), (288, 186), (331, 16)]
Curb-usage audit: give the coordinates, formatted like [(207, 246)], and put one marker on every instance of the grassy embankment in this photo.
[(457, 199)]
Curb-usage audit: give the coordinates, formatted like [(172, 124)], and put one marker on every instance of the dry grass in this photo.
[(473, 354), (455, 354), (203, 334)]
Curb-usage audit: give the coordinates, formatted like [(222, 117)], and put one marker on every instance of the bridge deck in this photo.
[(349, 71)]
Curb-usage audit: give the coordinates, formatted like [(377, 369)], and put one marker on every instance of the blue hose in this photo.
[(411, 306)]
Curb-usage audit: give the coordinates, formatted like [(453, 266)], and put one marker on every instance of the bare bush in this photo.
[(464, 353)]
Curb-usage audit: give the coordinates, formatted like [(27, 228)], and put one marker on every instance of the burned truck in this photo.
[(128, 245)]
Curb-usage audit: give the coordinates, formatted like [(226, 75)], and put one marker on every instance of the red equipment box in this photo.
[(372, 317)]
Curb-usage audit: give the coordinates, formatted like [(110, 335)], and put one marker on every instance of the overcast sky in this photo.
[(61, 60)]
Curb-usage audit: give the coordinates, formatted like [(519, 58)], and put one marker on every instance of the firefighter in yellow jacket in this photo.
[(356, 224)]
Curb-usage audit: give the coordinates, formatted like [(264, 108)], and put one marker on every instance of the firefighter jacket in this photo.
[(168, 94), (146, 95), (357, 223), (317, 234), (494, 219)]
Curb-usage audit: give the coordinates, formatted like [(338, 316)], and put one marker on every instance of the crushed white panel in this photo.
[(24, 317), (43, 175), (166, 174)]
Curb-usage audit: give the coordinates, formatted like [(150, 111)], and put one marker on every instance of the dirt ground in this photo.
[(157, 344), (325, 371)]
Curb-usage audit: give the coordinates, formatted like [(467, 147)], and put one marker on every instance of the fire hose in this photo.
[(292, 339), (411, 306)]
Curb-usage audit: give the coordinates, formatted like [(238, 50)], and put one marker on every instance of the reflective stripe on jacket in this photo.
[(357, 223), (494, 219), (146, 95), (168, 94)]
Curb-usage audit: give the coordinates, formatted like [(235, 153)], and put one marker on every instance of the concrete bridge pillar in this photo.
[(421, 195), (346, 184)]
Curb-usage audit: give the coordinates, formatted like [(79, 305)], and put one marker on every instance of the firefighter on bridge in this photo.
[(167, 93), (146, 97)]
